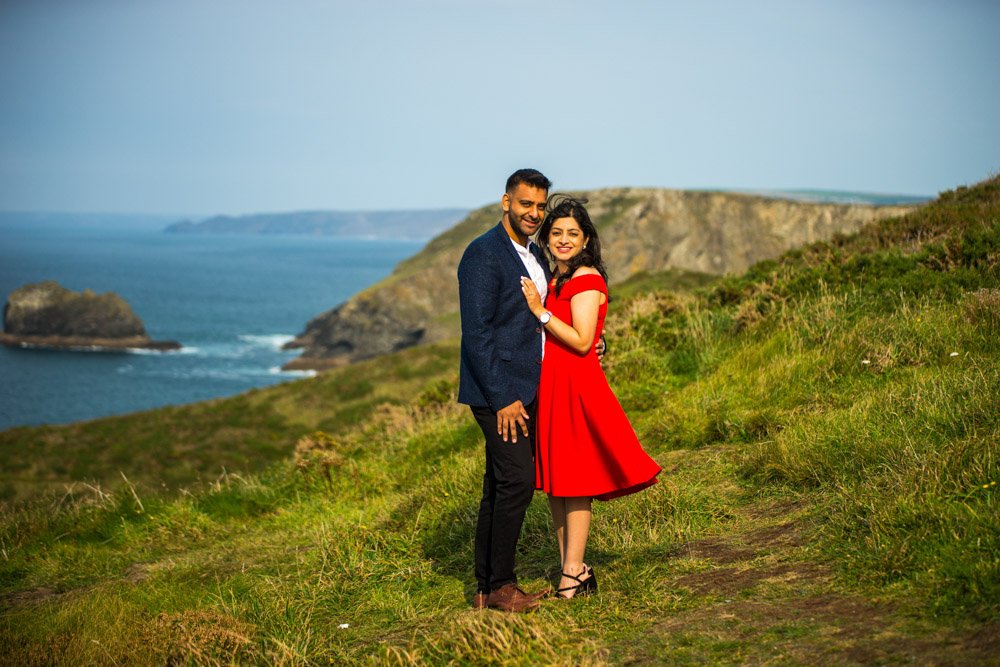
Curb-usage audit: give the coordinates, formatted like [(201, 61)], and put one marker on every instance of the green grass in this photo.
[(645, 282), (827, 424), (165, 450)]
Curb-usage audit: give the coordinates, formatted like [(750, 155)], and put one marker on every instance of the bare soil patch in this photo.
[(31, 596), (136, 573), (822, 629), (778, 536), (733, 580), (774, 510), (761, 604), (737, 548), (718, 550)]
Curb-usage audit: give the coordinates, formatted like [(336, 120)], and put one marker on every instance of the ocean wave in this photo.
[(147, 351), (277, 370), (228, 374), (245, 345), (225, 350), (273, 341)]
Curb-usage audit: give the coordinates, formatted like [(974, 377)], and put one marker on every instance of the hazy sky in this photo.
[(204, 107)]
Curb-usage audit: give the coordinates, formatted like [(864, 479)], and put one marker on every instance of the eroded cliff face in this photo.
[(641, 230)]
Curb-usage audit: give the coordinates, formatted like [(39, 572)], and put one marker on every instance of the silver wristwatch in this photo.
[(545, 317)]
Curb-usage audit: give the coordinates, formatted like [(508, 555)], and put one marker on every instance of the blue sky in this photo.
[(204, 107)]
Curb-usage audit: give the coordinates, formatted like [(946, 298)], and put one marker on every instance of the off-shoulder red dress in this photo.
[(585, 445)]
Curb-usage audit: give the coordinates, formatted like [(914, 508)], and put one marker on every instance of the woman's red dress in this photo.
[(585, 445)]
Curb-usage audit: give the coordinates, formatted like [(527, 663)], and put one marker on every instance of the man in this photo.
[(500, 366)]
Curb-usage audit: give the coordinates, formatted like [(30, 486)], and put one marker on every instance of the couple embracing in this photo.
[(531, 320)]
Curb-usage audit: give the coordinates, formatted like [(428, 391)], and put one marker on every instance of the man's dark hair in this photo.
[(532, 177)]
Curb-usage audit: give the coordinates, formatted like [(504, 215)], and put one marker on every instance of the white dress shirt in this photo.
[(535, 272)]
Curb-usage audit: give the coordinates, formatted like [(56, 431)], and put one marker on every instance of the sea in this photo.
[(231, 300)]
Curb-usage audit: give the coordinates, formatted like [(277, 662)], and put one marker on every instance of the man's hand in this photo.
[(509, 418), (601, 348)]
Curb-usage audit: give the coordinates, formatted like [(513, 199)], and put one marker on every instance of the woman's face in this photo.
[(566, 239)]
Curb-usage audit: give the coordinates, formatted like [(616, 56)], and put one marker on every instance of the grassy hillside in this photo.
[(828, 427), (172, 448), (643, 230)]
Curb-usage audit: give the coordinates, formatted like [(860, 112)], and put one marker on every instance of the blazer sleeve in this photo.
[(478, 294)]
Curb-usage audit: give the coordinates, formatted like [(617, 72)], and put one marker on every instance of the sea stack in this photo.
[(47, 315)]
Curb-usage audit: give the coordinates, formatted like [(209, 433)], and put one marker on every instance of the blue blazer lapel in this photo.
[(500, 236)]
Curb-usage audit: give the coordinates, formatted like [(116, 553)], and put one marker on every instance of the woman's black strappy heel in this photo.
[(586, 586)]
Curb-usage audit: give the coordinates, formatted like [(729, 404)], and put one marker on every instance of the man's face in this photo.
[(524, 208)]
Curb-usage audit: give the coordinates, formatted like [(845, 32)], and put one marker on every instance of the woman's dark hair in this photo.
[(564, 206)]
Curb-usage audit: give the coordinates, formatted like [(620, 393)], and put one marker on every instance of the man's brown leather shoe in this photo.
[(544, 593), (512, 598), (479, 600)]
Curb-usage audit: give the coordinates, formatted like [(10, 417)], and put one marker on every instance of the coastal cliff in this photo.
[(48, 315), (642, 230)]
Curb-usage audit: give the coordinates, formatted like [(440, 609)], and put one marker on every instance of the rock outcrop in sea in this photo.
[(48, 315), (642, 230)]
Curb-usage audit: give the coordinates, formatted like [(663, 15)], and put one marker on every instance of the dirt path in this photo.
[(758, 599)]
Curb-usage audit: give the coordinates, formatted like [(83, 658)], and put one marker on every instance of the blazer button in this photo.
[(539, 362), (538, 330)]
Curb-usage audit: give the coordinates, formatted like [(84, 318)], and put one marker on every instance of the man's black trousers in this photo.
[(508, 485)]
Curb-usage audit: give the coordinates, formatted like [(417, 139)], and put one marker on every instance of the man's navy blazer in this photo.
[(501, 339)]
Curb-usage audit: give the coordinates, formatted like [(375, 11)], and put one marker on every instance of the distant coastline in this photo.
[(420, 224), (839, 197)]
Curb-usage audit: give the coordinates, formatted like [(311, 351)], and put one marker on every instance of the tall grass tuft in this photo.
[(492, 639)]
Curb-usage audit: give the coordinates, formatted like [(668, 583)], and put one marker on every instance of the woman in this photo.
[(585, 446)]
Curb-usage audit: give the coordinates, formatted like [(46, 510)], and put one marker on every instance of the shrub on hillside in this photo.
[(318, 454), (982, 308)]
